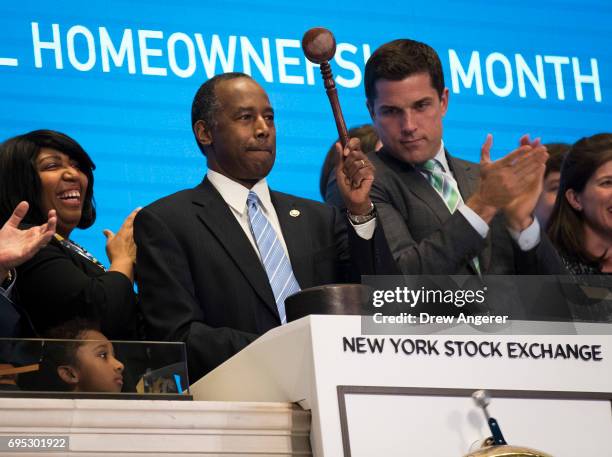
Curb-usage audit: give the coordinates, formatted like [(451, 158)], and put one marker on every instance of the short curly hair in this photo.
[(205, 103)]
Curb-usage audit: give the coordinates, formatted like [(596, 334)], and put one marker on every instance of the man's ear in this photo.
[(68, 374), (444, 101), (202, 133), (573, 199)]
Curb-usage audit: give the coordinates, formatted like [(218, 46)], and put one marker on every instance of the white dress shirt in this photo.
[(235, 195)]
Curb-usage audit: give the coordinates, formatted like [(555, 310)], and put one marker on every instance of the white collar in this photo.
[(441, 157), (235, 194)]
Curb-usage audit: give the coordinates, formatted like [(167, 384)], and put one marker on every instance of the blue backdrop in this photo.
[(119, 77)]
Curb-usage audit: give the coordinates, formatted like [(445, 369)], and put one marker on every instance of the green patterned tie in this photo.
[(447, 188), (443, 184)]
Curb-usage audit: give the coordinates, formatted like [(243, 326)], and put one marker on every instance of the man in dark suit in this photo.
[(203, 265), (443, 215)]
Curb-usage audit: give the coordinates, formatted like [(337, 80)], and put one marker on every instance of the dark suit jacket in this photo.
[(426, 239), (9, 318), (57, 285), (201, 282)]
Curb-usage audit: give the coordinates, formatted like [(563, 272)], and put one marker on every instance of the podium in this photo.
[(398, 395)]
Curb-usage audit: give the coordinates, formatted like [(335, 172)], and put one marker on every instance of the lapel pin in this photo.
[(294, 213)]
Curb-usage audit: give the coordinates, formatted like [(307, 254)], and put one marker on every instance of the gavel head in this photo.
[(481, 398), (319, 45)]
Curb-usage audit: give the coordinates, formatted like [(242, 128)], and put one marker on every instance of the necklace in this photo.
[(74, 247)]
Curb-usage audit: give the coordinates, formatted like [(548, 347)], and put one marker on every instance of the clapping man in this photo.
[(443, 215)]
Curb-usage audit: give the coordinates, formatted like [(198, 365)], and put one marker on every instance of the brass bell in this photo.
[(490, 450), (496, 446)]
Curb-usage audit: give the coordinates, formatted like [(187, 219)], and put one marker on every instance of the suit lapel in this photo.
[(292, 219), (465, 174), (215, 214), (418, 185)]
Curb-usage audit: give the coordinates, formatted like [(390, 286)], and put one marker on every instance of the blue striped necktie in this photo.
[(447, 188), (275, 262)]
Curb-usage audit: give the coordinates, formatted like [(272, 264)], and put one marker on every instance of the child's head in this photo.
[(88, 364)]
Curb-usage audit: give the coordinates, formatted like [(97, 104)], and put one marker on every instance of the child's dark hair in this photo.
[(64, 353), (58, 353)]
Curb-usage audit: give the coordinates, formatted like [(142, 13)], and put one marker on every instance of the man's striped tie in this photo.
[(446, 186), (275, 262)]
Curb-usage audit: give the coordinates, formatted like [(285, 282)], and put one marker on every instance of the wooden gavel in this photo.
[(319, 47)]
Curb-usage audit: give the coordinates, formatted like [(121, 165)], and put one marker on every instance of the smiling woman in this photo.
[(580, 225), (52, 171), (63, 187)]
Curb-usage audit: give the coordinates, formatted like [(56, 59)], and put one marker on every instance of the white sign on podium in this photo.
[(398, 395)]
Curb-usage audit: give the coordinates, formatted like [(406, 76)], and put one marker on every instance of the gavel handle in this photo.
[(332, 94), (496, 431)]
